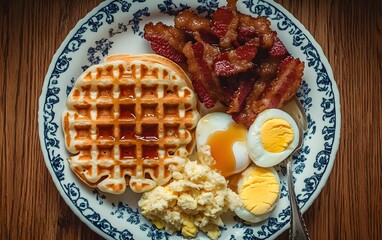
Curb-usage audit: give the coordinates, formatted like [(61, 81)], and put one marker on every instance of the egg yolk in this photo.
[(221, 143), (276, 134), (260, 191)]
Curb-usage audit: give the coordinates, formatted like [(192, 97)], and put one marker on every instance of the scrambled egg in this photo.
[(194, 200)]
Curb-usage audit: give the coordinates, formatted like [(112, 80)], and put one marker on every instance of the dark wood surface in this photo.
[(349, 207)]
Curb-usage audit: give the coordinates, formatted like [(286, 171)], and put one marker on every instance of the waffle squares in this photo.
[(129, 121)]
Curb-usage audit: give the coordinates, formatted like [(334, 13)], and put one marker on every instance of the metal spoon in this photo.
[(298, 228)]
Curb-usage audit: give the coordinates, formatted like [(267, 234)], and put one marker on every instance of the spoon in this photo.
[(298, 228)]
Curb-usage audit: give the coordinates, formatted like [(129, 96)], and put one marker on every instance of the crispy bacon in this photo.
[(225, 54), (224, 24), (278, 49), (229, 86), (189, 21), (166, 41), (255, 28), (238, 98), (246, 116), (210, 52), (235, 61), (203, 78), (272, 94), (207, 37), (267, 68)]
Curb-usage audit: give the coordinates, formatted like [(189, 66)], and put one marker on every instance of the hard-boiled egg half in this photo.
[(259, 190), (227, 141), (272, 137)]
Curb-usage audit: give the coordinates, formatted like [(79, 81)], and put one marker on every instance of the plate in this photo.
[(117, 27)]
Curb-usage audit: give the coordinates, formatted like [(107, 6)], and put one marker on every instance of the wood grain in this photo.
[(350, 33)]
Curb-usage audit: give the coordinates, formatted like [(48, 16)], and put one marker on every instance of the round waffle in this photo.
[(129, 120)]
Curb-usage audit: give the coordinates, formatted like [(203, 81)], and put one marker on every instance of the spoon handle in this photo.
[(298, 230)]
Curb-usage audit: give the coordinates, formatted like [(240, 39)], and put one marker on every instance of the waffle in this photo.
[(130, 121)]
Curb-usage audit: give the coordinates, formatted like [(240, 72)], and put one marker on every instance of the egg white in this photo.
[(216, 121), (242, 212), (259, 155)]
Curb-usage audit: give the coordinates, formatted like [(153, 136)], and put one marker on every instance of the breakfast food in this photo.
[(233, 59), (259, 190), (134, 121), (194, 200), (129, 121), (272, 137), (227, 142)]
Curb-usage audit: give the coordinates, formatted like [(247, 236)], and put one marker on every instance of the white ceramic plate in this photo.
[(116, 27)]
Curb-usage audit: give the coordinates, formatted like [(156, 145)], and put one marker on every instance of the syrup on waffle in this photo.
[(129, 121)]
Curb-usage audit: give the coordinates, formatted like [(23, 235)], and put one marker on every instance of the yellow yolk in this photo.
[(276, 135), (260, 191), (221, 143)]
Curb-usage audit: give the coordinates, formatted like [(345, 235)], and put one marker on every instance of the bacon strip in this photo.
[(224, 24), (267, 69), (273, 94), (235, 61), (210, 52), (240, 95), (278, 49), (189, 21), (203, 78), (255, 28), (166, 41), (247, 116)]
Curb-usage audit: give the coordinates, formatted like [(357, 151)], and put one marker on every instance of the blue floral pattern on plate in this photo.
[(116, 26)]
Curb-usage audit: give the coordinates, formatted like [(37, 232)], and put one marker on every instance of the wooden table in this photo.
[(349, 207)]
